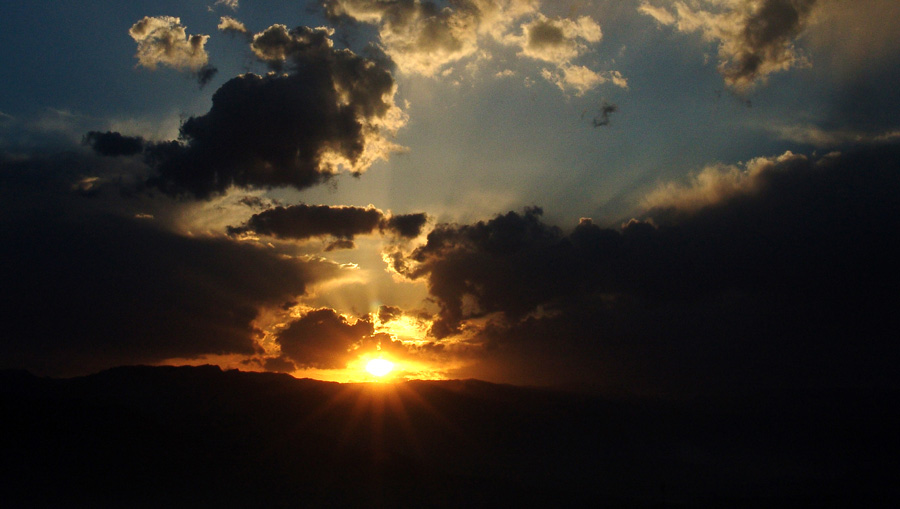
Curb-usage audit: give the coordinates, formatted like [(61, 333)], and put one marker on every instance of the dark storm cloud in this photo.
[(330, 111), (86, 286), (301, 222), (788, 278), (326, 340), (114, 144)]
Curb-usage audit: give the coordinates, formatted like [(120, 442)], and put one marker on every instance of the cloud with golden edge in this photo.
[(755, 38), (162, 40), (425, 39), (229, 24)]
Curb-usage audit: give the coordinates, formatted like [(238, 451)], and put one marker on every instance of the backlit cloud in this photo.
[(755, 38), (719, 183), (422, 37), (277, 44), (231, 4), (112, 285), (754, 274), (331, 110), (163, 40), (324, 339), (428, 39), (558, 40), (229, 24), (580, 79), (302, 222), (855, 36), (113, 143), (816, 136)]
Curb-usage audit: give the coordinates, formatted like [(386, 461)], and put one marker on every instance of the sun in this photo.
[(379, 367)]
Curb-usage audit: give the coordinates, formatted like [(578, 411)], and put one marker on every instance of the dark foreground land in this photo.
[(198, 437)]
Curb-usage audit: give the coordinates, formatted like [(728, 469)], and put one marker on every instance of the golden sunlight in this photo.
[(379, 367)]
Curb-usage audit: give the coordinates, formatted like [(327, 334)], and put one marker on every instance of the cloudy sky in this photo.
[(638, 196)]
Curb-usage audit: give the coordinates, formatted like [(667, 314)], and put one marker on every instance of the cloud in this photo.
[(324, 339), (755, 39), (389, 313), (405, 225), (816, 136), (163, 40), (469, 259), (231, 4), (660, 14), (302, 222), (779, 271), (427, 39), (420, 37), (230, 25), (719, 183), (602, 118), (558, 40), (113, 143), (206, 74), (855, 36), (581, 79), (92, 283), (331, 110), (276, 44)]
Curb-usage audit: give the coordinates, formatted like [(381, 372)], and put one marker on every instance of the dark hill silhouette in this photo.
[(200, 436)]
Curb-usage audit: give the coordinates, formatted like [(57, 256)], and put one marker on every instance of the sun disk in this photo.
[(379, 367)]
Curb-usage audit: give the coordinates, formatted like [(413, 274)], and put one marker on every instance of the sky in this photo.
[(631, 197)]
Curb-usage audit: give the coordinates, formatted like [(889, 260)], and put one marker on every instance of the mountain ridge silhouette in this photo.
[(146, 436)]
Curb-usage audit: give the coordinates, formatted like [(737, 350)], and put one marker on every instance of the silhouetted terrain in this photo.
[(166, 436)]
